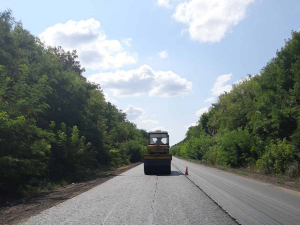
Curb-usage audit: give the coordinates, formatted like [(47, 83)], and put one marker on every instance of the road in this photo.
[(249, 202), (133, 198), (205, 196)]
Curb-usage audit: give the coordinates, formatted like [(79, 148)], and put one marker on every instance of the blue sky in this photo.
[(160, 60)]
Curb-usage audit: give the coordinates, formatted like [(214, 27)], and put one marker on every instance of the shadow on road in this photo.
[(173, 173)]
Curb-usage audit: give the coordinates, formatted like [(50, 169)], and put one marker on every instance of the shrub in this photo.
[(278, 157)]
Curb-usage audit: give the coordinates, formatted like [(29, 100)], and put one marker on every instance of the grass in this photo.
[(241, 173), (221, 167), (280, 181), (53, 186)]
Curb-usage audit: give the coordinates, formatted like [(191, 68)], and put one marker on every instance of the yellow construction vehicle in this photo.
[(158, 159)]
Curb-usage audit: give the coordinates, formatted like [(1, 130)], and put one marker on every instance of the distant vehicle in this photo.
[(158, 158)]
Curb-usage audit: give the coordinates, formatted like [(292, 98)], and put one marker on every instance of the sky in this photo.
[(163, 62)]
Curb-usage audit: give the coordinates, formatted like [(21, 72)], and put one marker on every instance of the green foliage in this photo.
[(54, 125), (257, 124), (278, 157)]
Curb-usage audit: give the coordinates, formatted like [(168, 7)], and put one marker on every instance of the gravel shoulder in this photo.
[(21, 210)]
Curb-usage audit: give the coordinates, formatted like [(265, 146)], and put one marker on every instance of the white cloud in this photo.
[(191, 125), (109, 98), (141, 81), (183, 31), (134, 113), (201, 111), (150, 121), (242, 80), (220, 86), (163, 54), (210, 20), (95, 51), (249, 77), (211, 99), (164, 3), (167, 3), (127, 41), (160, 128)]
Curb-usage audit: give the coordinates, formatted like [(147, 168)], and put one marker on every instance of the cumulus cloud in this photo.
[(150, 121), (220, 86), (160, 128), (134, 113), (183, 31), (163, 54), (141, 81), (169, 4), (191, 125), (201, 111), (127, 41), (210, 20), (211, 99), (242, 80), (164, 3), (95, 51), (109, 98), (249, 77)]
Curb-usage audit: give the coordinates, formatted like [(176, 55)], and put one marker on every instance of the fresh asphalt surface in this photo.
[(133, 198), (249, 202)]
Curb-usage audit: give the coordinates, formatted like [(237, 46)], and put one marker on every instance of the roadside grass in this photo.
[(241, 173), (220, 167), (280, 181)]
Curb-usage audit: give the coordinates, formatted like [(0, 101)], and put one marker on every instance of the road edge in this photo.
[(20, 212), (225, 211)]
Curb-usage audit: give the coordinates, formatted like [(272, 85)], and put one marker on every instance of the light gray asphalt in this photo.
[(248, 201), (133, 198)]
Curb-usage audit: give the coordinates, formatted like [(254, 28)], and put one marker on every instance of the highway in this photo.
[(249, 202), (205, 196)]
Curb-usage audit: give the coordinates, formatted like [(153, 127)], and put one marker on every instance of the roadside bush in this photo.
[(211, 155), (175, 150), (115, 156), (133, 151), (278, 157), (235, 147), (293, 170)]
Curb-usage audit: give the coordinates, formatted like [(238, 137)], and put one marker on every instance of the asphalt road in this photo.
[(248, 201), (133, 198)]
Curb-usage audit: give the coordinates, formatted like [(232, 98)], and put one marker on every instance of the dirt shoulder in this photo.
[(19, 211), (279, 181)]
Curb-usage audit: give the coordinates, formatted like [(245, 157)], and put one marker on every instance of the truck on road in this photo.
[(158, 159)]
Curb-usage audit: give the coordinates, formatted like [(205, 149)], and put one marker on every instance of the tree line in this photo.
[(54, 125), (256, 124)]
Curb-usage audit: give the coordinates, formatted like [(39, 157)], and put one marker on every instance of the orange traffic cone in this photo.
[(186, 171)]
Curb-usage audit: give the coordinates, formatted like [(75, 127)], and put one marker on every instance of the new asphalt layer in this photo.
[(205, 196)]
